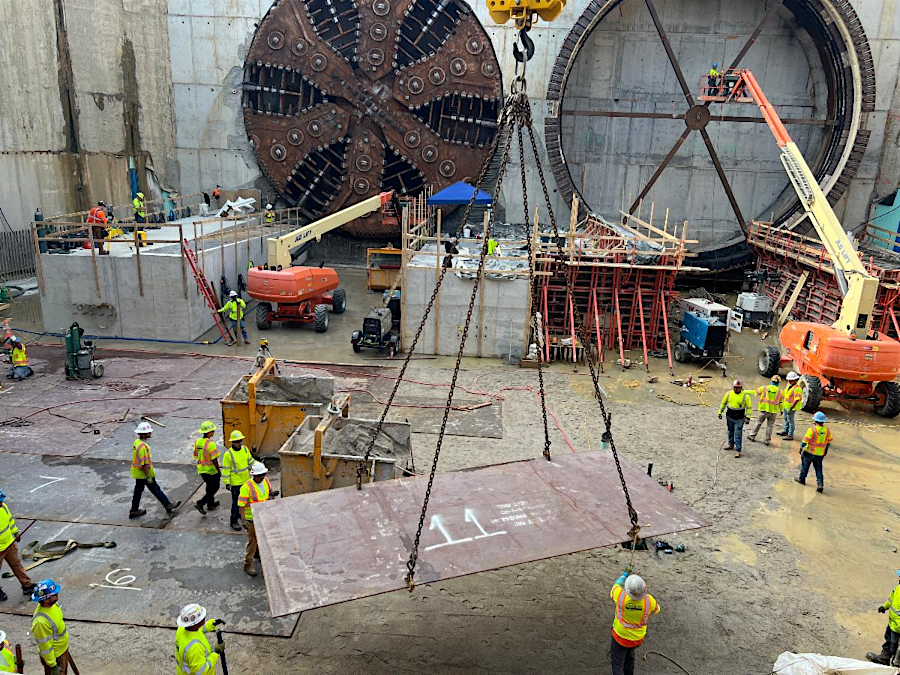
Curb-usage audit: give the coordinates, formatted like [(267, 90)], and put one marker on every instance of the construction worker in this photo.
[(206, 454), (235, 308), (793, 397), (217, 193), (236, 462), (737, 407), (20, 368), (97, 219), (769, 406), (193, 653), (137, 205), (493, 246), (889, 655), (145, 475), (7, 658), (257, 489), (634, 605), (9, 550), (712, 80), (270, 215), (813, 449), (49, 628)]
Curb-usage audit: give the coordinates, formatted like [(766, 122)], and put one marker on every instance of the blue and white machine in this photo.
[(704, 330)]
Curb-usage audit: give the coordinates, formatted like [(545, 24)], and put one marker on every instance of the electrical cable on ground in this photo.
[(667, 658)]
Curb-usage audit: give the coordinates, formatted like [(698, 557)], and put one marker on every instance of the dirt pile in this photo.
[(290, 389), (352, 437)]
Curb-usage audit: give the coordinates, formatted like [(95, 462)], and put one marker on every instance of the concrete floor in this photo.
[(779, 568)]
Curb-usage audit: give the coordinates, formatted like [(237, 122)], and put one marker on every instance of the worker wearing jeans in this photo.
[(792, 399), (235, 308), (634, 605), (145, 475), (206, 454), (236, 463), (813, 450), (737, 407)]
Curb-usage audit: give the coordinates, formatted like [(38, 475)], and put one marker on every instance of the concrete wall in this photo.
[(183, 82), (502, 331), (162, 312)]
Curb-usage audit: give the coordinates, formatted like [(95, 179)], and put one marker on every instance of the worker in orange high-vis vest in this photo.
[(813, 449), (256, 490), (206, 454), (634, 605), (769, 406)]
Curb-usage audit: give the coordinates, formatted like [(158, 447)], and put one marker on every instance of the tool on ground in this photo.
[(303, 294), (208, 296), (54, 550), (846, 361), (150, 419), (80, 364), (222, 658), (263, 355), (72, 663)]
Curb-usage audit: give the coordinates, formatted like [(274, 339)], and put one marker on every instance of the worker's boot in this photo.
[(781, 433), (802, 482), (200, 508), (737, 454), (213, 506), (236, 526), (788, 438), (250, 571), (136, 513), (28, 590), (820, 488), (171, 508), (883, 658), (3, 595)]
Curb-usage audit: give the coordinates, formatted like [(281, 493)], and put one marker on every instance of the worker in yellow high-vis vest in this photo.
[(790, 404), (737, 407), (20, 368), (890, 650), (145, 475), (193, 653), (9, 550), (813, 449), (236, 463), (634, 605), (49, 628), (7, 658), (206, 454), (769, 406), (235, 308)]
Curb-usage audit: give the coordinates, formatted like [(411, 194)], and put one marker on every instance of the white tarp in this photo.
[(816, 664)]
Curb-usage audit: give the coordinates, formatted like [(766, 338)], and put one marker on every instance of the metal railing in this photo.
[(16, 255)]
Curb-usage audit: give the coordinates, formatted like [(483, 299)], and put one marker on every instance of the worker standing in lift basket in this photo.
[(256, 490), (634, 605), (737, 407), (235, 308), (236, 462), (193, 653), (792, 399), (889, 654), (206, 454), (769, 406), (813, 450), (145, 475), (712, 80)]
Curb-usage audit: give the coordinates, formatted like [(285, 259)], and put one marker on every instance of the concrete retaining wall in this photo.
[(502, 331)]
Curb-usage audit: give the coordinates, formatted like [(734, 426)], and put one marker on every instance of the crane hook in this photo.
[(527, 43)]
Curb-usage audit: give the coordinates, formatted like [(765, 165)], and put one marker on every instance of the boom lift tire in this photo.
[(321, 318), (812, 393), (769, 361), (891, 393), (339, 301), (262, 316)]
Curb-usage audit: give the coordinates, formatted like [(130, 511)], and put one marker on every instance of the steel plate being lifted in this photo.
[(328, 547), (345, 99)]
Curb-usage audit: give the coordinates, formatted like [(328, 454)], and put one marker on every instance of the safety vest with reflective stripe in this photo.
[(236, 466), (735, 401), (138, 206), (140, 455), (19, 358), (97, 215), (235, 309), (7, 661), (630, 623), (205, 451), (713, 72), (817, 439), (792, 397), (252, 493), (50, 634), (270, 217), (8, 529), (771, 398), (193, 654), (893, 604)]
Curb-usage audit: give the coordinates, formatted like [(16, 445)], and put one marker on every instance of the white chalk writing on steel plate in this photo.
[(437, 523), (122, 583)]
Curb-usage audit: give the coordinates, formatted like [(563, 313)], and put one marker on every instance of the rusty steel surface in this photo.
[(343, 100), (328, 547)]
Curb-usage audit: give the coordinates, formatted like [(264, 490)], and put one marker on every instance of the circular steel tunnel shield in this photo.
[(345, 99), (837, 139)]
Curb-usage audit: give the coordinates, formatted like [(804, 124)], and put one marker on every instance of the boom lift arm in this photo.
[(281, 250), (858, 287)]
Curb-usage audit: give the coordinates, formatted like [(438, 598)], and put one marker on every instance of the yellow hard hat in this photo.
[(206, 427), (236, 435)]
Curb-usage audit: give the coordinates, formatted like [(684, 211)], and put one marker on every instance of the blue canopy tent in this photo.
[(459, 193)]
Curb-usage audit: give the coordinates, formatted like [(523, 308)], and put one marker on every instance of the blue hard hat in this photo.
[(44, 589), (715, 65), (2, 496), (819, 417)]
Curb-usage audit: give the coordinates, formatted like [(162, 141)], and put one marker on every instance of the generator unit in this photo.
[(756, 309), (377, 332), (704, 331)]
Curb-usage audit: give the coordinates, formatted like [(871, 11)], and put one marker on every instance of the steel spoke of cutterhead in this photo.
[(671, 54), (724, 180), (660, 168)]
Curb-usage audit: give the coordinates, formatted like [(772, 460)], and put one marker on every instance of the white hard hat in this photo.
[(793, 376), (258, 469), (2, 637), (13, 338), (232, 294), (268, 206), (143, 428), (191, 615), (737, 383), (635, 587)]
